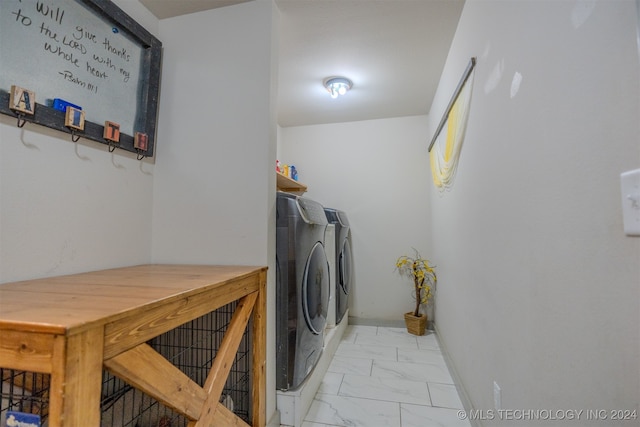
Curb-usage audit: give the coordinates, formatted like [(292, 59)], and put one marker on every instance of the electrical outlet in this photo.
[(497, 396), (630, 186)]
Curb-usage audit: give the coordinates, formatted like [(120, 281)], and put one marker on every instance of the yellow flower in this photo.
[(422, 275)]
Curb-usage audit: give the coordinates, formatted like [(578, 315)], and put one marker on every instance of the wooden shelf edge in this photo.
[(284, 183)]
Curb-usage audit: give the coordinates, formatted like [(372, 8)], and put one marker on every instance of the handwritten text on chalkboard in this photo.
[(79, 57)]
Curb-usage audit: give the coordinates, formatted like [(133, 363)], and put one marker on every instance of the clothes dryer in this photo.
[(302, 289), (330, 251), (344, 261)]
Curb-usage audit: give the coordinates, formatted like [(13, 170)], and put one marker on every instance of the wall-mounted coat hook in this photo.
[(140, 143), (111, 134), (21, 120), (74, 136), (74, 120)]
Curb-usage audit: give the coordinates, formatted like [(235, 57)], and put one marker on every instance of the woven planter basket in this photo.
[(416, 325)]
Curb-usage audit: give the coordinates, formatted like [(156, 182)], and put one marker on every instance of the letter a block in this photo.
[(74, 118), (23, 100)]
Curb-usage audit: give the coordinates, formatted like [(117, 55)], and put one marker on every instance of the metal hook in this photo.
[(112, 147), (74, 137), (140, 155), (21, 123)]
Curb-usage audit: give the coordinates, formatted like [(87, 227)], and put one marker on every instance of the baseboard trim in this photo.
[(275, 419), (462, 392), (377, 322)]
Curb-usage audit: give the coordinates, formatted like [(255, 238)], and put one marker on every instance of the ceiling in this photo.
[(393, 51)]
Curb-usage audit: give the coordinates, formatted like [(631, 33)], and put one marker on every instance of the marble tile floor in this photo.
[(385, 377)]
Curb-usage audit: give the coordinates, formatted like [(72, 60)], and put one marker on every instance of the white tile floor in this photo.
[(385, 377)]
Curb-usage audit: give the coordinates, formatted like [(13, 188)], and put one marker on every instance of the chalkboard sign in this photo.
[(87, 53)]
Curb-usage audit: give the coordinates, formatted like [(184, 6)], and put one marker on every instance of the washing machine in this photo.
[(344, 261), (302, 288)]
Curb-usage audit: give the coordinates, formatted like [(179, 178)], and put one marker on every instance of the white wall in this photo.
[(539, 287), (377, 172), (67, 208), (214, 186), (211, 198)]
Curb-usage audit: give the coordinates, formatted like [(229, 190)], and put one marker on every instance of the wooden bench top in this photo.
[(67, 304)]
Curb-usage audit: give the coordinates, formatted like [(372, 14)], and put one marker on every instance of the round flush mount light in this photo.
[(337, 86)]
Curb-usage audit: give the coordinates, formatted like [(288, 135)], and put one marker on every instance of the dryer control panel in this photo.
[(312, 211)]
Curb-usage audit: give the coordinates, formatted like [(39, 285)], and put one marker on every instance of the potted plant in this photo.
[(424, 280)]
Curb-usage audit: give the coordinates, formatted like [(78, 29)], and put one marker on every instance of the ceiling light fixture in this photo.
[(337, 86)]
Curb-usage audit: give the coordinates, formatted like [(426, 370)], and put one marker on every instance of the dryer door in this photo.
[(344, 267), (315, 289)]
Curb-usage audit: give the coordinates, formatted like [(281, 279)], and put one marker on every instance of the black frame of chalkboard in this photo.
[(149, 79)]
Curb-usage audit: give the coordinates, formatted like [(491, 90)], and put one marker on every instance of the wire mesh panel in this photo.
[(24, 392), (191, 347)]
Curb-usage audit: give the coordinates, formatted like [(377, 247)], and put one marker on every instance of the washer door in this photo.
[(315, 289), (344, 267)]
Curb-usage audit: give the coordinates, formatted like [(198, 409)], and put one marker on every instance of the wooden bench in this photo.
[(72, 326)]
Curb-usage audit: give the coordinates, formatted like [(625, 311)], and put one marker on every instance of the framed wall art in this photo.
[(445, 146)]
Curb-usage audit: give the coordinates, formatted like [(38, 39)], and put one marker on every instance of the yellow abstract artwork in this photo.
[(447, 143)]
